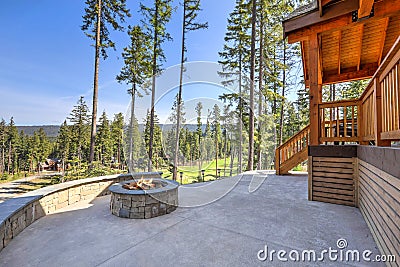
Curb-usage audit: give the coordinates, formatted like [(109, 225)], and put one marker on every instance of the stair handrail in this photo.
[(292, 139), (306, 128)]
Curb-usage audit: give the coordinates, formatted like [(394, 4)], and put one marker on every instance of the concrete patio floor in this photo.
[(227, 232)]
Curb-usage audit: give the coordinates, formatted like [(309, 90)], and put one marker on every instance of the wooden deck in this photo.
[(345, 41)]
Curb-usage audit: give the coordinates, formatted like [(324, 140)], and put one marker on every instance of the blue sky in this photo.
[(46, 61)]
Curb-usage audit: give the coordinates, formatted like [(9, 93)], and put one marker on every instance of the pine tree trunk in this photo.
[(95, 85), (232, 159), (225, 144), (216, 155), (240, 152), (153, 89), (178, 108), (283, 93), (252, 71), (2, 159), (9, 157), (132, 124), (274, 105), (260, 86), (200, 155), (63, 165)]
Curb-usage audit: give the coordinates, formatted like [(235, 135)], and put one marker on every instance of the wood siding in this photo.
[(332, 180), (379, 201)]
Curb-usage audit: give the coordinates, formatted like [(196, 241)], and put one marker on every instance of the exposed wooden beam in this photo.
[(304, 33), (382, 43), (301, 28), (365, 7), (361, 43), (350, 74), (333, 11), (303, 59)]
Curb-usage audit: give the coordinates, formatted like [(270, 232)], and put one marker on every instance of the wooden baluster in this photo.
[(337, 123), (330, 121), (291, 149), (398, 96), (389, 103), (380, 115), (385, 126), (394, 99), (294, 147), (361, 130), (284, 154), (352, 121), (345, 121), (323, 122)]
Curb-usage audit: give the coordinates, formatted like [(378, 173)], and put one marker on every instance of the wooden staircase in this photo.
[(293, 152)]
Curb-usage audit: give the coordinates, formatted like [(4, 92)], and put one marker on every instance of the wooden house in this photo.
[(349, 143)]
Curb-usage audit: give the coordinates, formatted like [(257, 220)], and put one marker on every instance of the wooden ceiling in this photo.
[(349, 48)]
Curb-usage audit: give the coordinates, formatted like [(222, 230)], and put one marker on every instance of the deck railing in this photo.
[(286, 153), (390, 86), (375, 116), (339, 121), (367, 107)]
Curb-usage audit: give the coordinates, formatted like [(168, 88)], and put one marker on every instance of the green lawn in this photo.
[(191, 173)]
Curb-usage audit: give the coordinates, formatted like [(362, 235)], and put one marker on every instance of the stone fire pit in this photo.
[(144, 204)]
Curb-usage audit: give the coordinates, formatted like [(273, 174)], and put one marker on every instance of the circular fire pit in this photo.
[(129, 200)]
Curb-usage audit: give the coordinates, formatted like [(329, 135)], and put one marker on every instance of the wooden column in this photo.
[(378, 114), (315, 89)]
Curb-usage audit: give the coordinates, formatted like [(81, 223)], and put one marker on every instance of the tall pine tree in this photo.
[(103, 140), (189, 23), (235, 58), (99, 15), (155, 20), (137, 68), (80, 119)]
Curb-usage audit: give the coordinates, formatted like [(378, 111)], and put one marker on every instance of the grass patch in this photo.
[(5, 177), (39, 183), (192, 174)]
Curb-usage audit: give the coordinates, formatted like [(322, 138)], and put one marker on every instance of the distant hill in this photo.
[(52, 130)]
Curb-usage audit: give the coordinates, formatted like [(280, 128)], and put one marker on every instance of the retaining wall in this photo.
[(18, 213)]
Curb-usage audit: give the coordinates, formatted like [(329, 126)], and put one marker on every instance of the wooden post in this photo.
[(310, 178), (315, 89), (378, 114)]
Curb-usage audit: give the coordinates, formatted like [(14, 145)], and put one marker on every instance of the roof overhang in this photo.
[(351, 43)]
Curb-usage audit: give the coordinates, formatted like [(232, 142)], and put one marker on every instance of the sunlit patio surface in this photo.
[(233, 220)]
